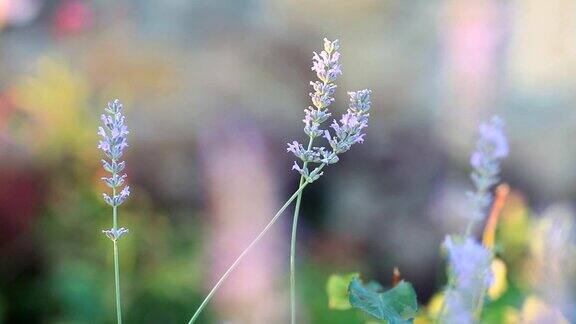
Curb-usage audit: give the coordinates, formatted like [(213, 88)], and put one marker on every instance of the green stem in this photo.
[(293, 246), (480, 306), (117, 279), (469, 228), (116, 262), (248, 248), (114, 210)]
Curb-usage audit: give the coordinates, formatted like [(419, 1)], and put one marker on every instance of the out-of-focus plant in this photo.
[(551, 269), (532, 275), (114, 140), (55, 116), (347, 132)]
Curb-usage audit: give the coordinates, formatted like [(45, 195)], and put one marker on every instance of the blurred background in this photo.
[(213, 90)]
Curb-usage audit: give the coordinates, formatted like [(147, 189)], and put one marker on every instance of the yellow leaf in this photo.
[(337, 289), (511, 316), (500, 284), (535, 311), (435, 305), (513, 232), (422, 319)]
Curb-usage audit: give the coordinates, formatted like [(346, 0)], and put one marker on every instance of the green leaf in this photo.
[(397, 305), (337, 289)]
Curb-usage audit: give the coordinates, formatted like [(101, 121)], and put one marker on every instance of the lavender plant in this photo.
[(113, 143), (348, 131), (469, 273)]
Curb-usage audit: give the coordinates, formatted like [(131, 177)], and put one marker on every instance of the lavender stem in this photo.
[(293, 245), (246, 250)]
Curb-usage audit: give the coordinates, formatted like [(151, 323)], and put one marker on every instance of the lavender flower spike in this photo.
[(491, 148), (327, 68), (349, 130), (113, 143)]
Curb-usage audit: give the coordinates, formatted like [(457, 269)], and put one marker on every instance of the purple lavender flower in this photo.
[(491, 148), (348, 131), (327, 70), (326, 63), (114, 141), (304, 154)]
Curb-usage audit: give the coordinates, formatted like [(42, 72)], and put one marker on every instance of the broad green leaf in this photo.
[(396, 306), (337, 289)]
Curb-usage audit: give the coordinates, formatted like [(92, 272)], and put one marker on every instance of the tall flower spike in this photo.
[(491, 148), (327, 68), (114, 141)]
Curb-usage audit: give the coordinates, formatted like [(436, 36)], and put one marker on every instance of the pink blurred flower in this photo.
[(72, 17)]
